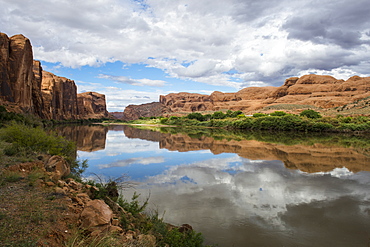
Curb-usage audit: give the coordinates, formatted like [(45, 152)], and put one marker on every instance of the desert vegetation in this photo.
[(307, 121)]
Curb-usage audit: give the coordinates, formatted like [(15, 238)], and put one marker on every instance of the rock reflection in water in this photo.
[(308, 158), (87, 138), (244, 195)]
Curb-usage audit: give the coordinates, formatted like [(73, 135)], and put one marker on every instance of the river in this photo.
[(241, 188)]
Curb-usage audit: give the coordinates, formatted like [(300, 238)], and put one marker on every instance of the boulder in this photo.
[(58, 166), (96, 215)]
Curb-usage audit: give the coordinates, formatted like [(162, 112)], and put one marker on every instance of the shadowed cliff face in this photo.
[(87, 138), (16, 71), (307, 158), (26, 88), (92, 105)]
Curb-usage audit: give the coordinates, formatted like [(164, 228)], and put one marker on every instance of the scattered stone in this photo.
[(96, 215), (50, 184), (59, 190), (58, 166), (115, 222), (115, 229)]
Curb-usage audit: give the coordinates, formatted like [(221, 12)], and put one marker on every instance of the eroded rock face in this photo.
[(314, 90), (92, 105), (133, 112), (60, 96), (26, 88), (16, 72)]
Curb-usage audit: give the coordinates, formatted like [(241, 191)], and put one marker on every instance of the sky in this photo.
[(135, 50)]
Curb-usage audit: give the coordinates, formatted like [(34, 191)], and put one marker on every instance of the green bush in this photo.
[(218, 115), (278, 113), (310, 114), (25, 138), (258, 114), (196, 115)]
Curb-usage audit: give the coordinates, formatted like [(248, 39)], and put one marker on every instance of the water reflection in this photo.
[(237, 190)]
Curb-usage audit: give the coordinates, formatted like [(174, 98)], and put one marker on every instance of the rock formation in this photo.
[(26, 88), (309, 90), (60, 97), (92, 105), (16, 72), (132, 112)]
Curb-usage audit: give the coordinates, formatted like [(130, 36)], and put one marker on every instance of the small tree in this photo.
[(310, 114)]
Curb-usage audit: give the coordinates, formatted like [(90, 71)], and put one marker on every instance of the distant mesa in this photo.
[(321, 92), (26, 88)]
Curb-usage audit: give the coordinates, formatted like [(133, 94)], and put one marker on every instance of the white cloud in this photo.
[(263, 40), (135, 82), (131, 161)]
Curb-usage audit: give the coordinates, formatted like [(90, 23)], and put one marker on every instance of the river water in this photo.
[(241, 188)]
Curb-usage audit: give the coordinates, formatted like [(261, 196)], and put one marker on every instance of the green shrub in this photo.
[(31, 139), (278, 113), (218, 115), (196, 115), (310, 114), (258, 114)]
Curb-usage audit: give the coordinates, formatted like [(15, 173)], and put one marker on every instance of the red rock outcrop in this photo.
[(60, 97), (313, 90), (16, 73), (92, 105), (133, 112), (26, 88)]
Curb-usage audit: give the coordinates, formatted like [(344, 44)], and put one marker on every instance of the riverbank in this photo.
[(44, 202), (306, 121)]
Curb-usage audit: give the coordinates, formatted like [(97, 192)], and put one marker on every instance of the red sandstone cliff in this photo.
[(26, 88), (92, 105), (60, 97), (16, 73), (133, 112), (309, 90)]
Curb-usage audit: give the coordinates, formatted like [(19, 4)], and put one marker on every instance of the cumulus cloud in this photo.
[(264, 40), (237, 193), (131, 161), (135, 82)]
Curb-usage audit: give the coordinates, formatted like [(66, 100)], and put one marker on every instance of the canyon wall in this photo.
[(92, 105), (133, 112), (309, 90), (26, 88), (319, 92)]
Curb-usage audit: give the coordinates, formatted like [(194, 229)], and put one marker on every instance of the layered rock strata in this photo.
[(309, 90)]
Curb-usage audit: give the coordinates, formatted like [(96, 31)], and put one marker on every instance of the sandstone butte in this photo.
[(26, 88), (320, 92)]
